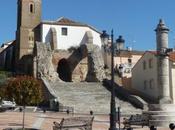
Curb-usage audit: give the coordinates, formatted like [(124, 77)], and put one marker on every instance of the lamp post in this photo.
[(113, 106), (104, 36)]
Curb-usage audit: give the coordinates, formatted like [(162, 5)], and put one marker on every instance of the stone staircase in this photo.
[(85, 97)]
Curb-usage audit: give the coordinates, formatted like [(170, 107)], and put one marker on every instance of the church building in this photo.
[(62, 34)]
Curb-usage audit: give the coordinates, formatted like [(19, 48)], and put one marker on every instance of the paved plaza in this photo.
[(44, 121)]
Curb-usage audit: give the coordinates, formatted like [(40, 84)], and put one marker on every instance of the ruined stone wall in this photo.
[(95, 63), (43, 62), (84, 63)]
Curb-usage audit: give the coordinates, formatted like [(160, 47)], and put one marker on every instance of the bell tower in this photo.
[(28, 19)]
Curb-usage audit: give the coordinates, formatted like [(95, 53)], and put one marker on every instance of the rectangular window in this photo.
[(145, 84), (129, 60), (151, 83), (64, 31), (150, 63), (144, 65)]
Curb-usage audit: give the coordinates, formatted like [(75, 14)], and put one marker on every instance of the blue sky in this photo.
[(134, 19)]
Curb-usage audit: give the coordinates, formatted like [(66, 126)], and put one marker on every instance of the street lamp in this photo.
[(118, 48), (105, 38), (120, 43)]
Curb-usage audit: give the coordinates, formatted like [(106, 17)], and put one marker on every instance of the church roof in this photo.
[(66, 21), (69, 22)]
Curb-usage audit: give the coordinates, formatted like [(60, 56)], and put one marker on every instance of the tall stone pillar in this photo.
[(163, 63), (162, 113)]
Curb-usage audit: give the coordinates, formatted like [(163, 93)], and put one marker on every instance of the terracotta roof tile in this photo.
[(126, 53), (68, 22), (172, 56)]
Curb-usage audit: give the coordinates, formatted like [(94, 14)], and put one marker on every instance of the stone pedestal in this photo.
[(161, 115)]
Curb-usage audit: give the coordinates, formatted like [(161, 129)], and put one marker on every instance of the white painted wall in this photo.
[(75, 35), (172, 80), (122, 60), (139, 75)]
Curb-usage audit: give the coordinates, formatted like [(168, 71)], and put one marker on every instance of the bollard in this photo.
[(171, 126), (129, 128), (91, 113), (153, 128), (44, 110), (68, 111), (20, 109)]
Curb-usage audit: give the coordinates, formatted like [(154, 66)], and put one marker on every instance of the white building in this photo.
[(68, 33), (145, 78), (126, 59)]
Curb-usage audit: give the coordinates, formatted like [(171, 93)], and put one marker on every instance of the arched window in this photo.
[(31, 7)]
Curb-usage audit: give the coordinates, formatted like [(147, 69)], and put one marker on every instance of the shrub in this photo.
[(25, 90), (4, 75)]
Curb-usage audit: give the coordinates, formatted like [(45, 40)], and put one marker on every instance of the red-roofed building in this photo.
[(145, 76)]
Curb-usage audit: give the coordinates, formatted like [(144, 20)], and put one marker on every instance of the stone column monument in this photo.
[(162, 113), (163, 63)]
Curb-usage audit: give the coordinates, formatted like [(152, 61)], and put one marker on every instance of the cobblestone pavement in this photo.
[(44, 121)]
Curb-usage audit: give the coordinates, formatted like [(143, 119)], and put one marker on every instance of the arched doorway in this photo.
[(64, 70)]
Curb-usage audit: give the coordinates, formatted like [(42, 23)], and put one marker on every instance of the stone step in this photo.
[(163, 117), (161, 107), (159, 112), (160, 123), (84, 97)]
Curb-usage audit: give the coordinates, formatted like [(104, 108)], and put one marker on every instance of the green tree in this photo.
[(25, 90)]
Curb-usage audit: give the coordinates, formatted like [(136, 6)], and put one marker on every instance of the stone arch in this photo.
[(64, 70)]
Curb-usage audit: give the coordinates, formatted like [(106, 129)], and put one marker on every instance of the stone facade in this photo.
[(29, 17)]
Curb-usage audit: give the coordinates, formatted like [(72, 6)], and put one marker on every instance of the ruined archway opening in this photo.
[(64, 70)]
